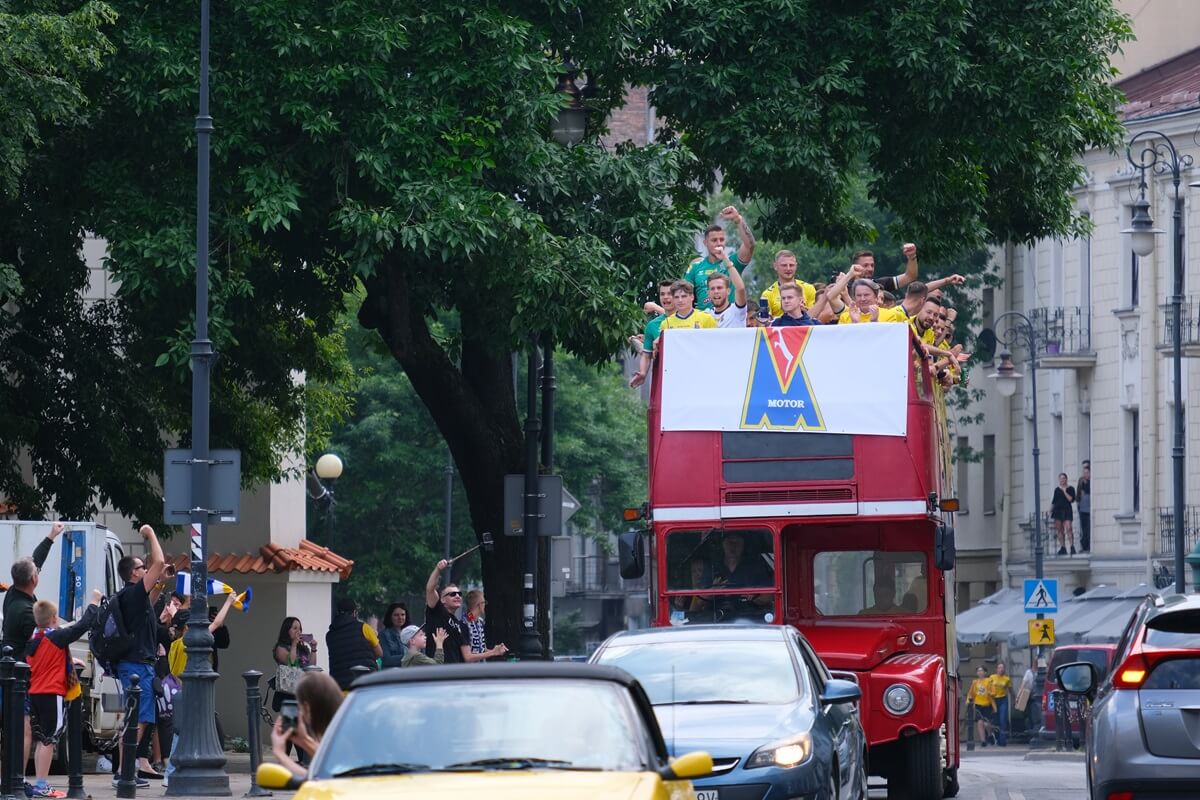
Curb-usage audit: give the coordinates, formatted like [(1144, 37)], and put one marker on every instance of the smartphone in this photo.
[(307, 638), (764, 309), (289, 712)]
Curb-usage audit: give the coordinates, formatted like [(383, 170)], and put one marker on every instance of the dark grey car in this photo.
[(779, 726), (1143, 732)]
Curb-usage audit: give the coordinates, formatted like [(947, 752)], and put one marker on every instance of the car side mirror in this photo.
[(274, 776), (943, 547), (1078, 677), (840, 691), (697, 764), (631, 555)]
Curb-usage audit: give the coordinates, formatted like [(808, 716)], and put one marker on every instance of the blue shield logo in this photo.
[(778, 394)]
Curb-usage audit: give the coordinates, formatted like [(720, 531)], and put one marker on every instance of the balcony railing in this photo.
[(1063, 330), (1166, 529), (1049, 536), (1189, 321), (599, 574)]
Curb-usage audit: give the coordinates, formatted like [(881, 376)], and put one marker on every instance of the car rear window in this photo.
[(1094, 656), (1179, 629), (1179, 673)]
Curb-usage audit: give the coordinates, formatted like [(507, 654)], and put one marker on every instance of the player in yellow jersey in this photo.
[(686, 314), (785, 271)]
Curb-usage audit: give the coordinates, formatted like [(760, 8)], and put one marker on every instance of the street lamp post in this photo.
[(531, 643), (328, 469), (1157, 152), (1013, 328), (198, 756)]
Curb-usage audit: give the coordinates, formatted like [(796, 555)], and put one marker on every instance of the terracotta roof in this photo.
[(274, 558), (1166, 88)]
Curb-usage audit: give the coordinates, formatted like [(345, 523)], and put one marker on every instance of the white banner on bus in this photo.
[(820, 379)]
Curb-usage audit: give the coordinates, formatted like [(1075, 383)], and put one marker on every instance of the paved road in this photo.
[(1007, 775)]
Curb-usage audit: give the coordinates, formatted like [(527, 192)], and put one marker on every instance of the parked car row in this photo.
[(716, 712)]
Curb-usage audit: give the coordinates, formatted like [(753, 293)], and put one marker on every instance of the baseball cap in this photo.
[(408, 633)]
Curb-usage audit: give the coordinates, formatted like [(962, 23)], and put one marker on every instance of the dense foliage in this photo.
[(405, 147)]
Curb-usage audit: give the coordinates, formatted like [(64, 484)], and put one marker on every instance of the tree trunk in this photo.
[(473, 405)]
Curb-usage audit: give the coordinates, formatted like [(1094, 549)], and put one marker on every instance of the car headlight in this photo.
[(784, 753), (898, 699)]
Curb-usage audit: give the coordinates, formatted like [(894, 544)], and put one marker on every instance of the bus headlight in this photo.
[(898, 699), (785, 753)]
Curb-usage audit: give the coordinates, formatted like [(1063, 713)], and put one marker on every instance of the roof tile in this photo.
[(272, 557)]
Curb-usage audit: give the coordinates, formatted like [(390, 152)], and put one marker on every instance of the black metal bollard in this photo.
[(6, 727), (20, 691), (1062, 722), (359, 671), (970, 724), (75, 789), (127, 783), (253, 730)]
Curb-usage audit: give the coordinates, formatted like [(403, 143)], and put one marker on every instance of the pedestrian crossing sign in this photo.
[(1041, 631), (1041, 596)]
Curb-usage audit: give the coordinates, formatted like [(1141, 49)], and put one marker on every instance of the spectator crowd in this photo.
[(712, 294)]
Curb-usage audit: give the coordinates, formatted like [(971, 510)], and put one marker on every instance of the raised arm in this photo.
[(910, 269), (219, 619), (739, 283), (746, 250), (957, 280), (155, 563), (431, 585)]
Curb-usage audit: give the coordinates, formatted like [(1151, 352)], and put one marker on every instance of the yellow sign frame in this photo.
[(1041, 632)]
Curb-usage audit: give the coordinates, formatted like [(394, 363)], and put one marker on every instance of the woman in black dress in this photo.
[(1063, 515)]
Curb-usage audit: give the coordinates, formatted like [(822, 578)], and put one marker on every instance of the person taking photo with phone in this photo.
[(303, 723)]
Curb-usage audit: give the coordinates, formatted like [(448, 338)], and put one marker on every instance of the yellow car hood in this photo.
[(498, 785)]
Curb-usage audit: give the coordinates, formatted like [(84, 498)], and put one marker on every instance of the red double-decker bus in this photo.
[(800, 476)]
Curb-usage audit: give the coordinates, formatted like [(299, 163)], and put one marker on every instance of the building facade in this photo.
[(1105, 379)]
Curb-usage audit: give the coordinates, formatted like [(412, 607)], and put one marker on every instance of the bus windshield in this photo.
[(869, 582), (700, 562)]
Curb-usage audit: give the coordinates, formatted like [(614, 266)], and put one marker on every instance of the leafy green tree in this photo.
[(405, 147)]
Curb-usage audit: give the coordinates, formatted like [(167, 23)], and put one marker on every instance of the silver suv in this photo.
[(1143, 733)]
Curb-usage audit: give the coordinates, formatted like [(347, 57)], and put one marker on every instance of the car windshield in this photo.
[(485, 724), (697, 672)]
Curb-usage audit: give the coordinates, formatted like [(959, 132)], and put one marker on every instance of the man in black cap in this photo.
[(351, 643)]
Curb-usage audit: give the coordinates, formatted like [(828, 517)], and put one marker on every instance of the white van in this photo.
[(84, 557)]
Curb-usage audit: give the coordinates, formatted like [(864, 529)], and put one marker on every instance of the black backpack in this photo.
[(109, 638)]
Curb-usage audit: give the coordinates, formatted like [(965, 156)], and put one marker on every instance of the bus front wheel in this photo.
[(920, 775)]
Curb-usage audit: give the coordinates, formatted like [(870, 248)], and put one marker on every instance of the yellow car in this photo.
[(503, 731)]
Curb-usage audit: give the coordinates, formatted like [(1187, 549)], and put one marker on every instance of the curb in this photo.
[(1053, 755)]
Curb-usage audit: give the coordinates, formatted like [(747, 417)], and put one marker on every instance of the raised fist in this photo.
[(146, 531), (729, 212), (909, 250)]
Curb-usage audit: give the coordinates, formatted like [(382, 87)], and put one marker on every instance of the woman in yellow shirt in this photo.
[(1001, 686), (985, 704)]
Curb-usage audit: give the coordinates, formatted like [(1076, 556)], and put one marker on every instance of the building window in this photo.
[(1131, 468), (962, 474), (1133, 280), (989, 474)]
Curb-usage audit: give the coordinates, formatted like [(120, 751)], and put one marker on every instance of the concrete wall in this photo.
[(1164, 29)]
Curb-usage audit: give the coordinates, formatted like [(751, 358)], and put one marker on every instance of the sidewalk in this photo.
[(99, 785)]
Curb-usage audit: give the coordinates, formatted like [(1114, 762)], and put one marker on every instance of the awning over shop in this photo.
[(991, 620), (1075, 615), (1110, 627)]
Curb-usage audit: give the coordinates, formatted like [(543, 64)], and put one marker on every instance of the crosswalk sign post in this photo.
[(1041, 595), (1041, 632)]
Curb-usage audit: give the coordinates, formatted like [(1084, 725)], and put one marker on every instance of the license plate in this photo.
[(708, 794)]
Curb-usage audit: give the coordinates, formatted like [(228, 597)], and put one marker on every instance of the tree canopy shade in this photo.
[(404, 147)]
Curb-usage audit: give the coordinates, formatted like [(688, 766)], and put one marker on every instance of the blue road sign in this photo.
[(1041, 596)]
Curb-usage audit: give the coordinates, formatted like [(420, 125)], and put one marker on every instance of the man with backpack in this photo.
[(137, 649)]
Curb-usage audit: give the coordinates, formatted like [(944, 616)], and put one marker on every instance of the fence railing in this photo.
[(1189, 321), (1166, 529), (1062, 330)]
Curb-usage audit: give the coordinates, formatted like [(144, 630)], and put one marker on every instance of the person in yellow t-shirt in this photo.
[(865, 307), (1000, 686), (686, 315), (785, 271), (985, 705)]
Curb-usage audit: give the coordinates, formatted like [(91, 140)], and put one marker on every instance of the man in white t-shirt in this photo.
[(730, 312)]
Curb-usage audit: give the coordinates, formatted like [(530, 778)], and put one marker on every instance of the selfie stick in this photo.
[(485, 543)]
